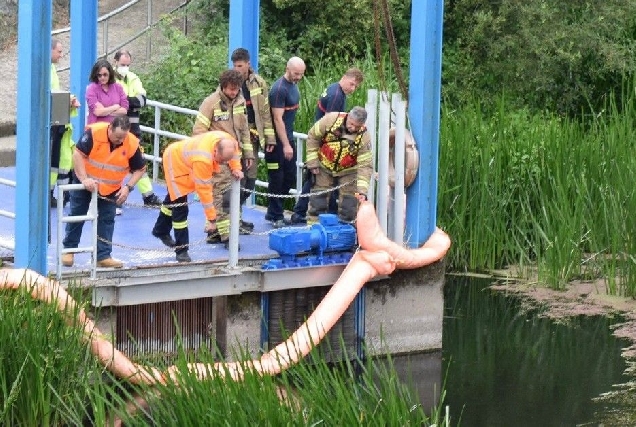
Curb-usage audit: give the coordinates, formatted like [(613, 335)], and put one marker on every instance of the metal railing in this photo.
[(383, 110), (91, 215), (157, 133), (105, 20), (389, 202), (7, 214)]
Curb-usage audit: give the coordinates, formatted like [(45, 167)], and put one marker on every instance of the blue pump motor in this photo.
[(329, 235)]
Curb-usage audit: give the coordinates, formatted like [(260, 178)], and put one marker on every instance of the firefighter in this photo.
[(339, 153), (259, 118), (224, 110), (189, 166)]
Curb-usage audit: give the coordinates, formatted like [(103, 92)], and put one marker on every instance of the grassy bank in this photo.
[(540, 190), (49, 377)]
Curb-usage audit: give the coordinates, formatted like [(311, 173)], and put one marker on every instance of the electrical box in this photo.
[(60, 107)]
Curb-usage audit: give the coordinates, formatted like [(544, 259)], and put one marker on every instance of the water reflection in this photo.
[(508, 368)]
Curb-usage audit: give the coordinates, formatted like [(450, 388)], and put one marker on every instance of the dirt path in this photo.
[(121, 28)]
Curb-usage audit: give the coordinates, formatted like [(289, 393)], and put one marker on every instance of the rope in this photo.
[(378, 45), (390, 35)]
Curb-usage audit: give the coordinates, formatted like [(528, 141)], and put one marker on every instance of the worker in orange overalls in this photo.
[(189, 166)]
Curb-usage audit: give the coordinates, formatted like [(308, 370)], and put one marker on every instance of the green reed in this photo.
[(47, 370), (540, 190), (313, 392), (49, 377)]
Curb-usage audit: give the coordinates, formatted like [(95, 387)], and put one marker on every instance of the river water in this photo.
[(506, 366)]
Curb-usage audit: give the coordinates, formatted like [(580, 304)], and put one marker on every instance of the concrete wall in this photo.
[(405, 314), (243, 325)]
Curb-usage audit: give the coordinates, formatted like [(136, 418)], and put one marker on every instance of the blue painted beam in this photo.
[(33, 146), (244, 29), (424, 113), (83, 55)]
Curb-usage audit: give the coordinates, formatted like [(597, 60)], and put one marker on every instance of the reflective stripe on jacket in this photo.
[(189, 165), (219, 113), (109, 168), (331, 146), (259, 96)]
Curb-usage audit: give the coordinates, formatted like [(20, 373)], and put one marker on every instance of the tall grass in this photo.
[(47, 370), (49, 377), (311, 393), (541, 190)]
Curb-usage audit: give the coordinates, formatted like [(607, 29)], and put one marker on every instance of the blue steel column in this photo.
[(33, 148), (83, 54), (244, 32), (244, 28), (424, 111)]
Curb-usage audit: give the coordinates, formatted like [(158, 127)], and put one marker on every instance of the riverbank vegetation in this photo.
[(540, 190), (49, 377)]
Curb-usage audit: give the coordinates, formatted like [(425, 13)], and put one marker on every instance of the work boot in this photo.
[(280, 223), (67, 260), (152, 200), (167, 240), (183, 257), (52, 200), (226, 245), (245, 227), (213, 237), (110, 263), (297, 219)]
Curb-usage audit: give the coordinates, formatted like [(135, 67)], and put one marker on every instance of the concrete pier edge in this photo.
[(7, 143)]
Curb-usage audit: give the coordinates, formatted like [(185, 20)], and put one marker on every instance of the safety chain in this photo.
[(243, 189), (201, 242), (289, 196), (222, 190)]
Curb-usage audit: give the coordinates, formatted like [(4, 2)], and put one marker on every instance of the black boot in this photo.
[(246, 227), (152, 200), (52, 200), (213, 237)]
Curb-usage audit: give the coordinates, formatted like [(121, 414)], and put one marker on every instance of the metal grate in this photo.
[(159, 328), (288, 309)]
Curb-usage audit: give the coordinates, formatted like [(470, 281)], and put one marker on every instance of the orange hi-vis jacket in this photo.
[(109, 168), (189, 165)]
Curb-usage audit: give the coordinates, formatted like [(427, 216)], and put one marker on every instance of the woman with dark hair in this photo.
[(105, 98)]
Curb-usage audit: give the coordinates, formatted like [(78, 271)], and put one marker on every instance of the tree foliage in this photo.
[(320, 31), (546, 55), (562, 56)]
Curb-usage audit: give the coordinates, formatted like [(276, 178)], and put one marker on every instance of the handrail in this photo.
[(7, 214), (105, 19), (157, 132), (397, 209), (91, 215)]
